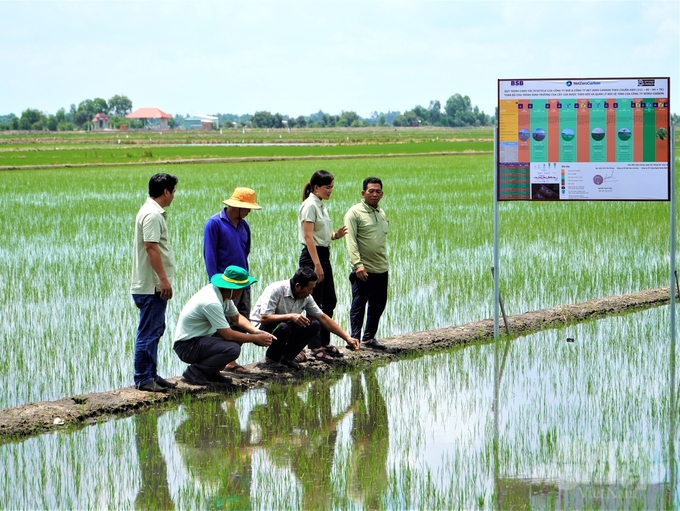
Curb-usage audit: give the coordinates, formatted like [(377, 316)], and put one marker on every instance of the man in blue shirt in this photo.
[(226, 242)]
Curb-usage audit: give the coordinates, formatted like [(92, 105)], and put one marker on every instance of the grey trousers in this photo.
[(207, 355)]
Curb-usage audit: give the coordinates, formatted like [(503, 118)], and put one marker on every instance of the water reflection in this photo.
[(586, 424), (296, 430), (153, 492), (568, 487), (216, 452)]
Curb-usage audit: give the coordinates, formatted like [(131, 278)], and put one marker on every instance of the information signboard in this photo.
[(584, 139)]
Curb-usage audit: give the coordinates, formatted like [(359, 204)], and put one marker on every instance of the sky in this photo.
[(297, 57)]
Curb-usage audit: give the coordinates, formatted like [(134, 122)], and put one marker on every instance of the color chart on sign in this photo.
[(584, 139)]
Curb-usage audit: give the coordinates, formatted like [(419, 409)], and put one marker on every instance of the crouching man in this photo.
[(279, 310), (203, 337)]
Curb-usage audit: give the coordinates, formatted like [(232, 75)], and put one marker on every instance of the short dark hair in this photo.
[(161, 182), (372, 180), (303, 276)]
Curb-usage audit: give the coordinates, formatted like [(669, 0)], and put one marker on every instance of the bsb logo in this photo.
[(516, 83)]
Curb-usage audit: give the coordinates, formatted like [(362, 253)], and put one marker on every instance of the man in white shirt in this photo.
[(280, 310), (203, 335)]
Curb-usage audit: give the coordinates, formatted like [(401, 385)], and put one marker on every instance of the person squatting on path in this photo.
[(227, 241), (203, 336), (153, 267), (315, 233), (366, 240), (280, 311)]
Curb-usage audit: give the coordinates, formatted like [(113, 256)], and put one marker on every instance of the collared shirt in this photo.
[(278, 298), (204, 314), (150, 226), (366, 237), (313, 210), (224, 244)]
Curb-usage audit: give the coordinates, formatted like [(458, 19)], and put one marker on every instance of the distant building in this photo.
[(151, 113), (201, 122), (100, 121)]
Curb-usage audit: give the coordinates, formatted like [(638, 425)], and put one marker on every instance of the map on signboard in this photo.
[(584, 139)]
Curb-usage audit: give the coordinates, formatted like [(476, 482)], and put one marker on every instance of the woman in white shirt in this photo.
[(315, 232)]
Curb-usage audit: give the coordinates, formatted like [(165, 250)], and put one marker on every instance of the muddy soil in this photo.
[(78, 411)]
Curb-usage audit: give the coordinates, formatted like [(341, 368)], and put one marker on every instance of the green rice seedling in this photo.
[(68, 321)]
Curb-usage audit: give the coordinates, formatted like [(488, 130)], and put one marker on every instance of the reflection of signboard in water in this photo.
[(617, 129)]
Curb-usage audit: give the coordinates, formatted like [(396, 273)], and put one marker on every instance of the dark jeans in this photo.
[(324, 292), (291, 339), (374, 292), (150, 330), (207, 355)]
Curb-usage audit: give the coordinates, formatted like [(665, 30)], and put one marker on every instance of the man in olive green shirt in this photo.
[(366, 240)]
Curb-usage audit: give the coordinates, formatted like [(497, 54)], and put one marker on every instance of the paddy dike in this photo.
[(78, 411)]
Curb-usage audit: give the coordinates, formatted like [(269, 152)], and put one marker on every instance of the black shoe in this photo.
[(151, 386), (161, 382), (373, 344), (218, 377), (194, 377), (290, 363)]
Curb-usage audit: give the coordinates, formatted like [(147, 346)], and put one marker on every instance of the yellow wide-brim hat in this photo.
[(242, 198)]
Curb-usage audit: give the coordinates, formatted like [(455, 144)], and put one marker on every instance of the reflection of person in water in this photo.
[(153, 490), (216, 452), (302, 434), (370, 441)]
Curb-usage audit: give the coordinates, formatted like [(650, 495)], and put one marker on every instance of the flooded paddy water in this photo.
[(581, 424)]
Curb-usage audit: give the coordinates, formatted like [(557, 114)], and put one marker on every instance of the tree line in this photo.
[(76, 118), (457, 111)]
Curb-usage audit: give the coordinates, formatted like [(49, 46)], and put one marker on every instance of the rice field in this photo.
[(582, 425), (68, 322)]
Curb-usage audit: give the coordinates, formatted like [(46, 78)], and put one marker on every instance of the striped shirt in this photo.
[(278, 298)]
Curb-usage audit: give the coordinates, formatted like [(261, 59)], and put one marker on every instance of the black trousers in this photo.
[(324, 292), (373, 292), (291, 339), (207, 355)]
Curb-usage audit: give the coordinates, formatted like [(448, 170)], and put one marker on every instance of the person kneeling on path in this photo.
[(203, 336), (280, 310)]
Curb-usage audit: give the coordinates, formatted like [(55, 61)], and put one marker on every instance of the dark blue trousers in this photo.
[(372, 292), (150, 330)]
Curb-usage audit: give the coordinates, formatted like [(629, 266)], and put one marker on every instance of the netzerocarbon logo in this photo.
[(568, 83)]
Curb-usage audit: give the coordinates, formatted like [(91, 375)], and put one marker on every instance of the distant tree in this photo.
[(32, 119), (301, 121), (435, 111), (348, 119), (100, 105), (422, 114), (459, 111), (8, 122), (291, 122), (381, 120), (406, 119), (277, 120), (262, 119), (120, 105)]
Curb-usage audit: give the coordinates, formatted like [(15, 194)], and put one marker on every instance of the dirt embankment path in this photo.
[(34, 418), (244, 159)]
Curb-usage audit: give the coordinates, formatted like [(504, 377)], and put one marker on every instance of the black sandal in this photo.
[(322, 356), (332, 351)]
